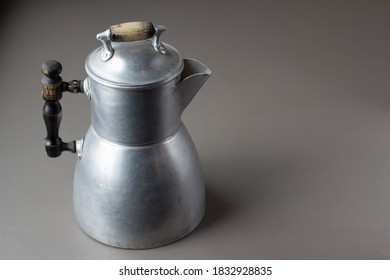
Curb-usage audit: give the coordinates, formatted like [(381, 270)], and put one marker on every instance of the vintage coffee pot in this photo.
[(138, 182)]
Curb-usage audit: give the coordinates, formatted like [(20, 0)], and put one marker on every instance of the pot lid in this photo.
[(133, 56)]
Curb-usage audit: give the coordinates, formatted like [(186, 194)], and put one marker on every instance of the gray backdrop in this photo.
[(292, 129)]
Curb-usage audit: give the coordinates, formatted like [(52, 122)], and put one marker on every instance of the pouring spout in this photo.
[(194, 75)]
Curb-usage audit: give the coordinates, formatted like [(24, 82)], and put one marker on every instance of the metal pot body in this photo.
[(138, 182), (135, 116), (138, 196)]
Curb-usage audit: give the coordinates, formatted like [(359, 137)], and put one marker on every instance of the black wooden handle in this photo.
[(52, 88)]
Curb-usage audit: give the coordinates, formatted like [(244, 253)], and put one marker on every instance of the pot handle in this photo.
[(52, 88), (128, 32)]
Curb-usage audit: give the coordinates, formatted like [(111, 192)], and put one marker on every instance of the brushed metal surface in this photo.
[(139, 197)]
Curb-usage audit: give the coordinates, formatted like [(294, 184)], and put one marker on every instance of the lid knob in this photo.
[(128, 32)]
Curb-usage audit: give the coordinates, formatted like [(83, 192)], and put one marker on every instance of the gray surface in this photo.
[(293, 128)]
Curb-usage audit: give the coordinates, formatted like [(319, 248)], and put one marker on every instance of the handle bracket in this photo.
[(128, 32)]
